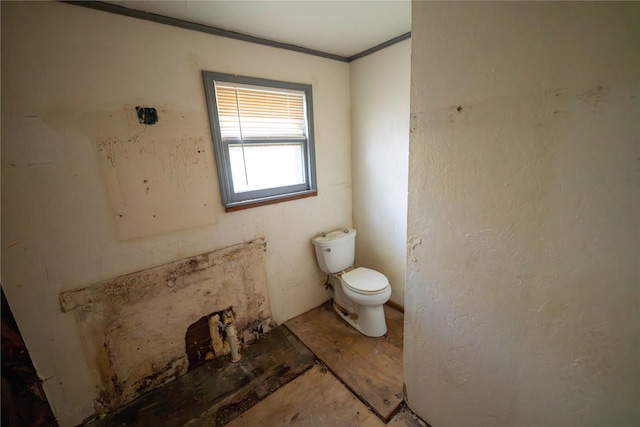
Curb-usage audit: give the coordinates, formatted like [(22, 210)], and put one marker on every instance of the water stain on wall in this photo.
[(547, 107), (159, 178), (133, 326), (596, 96)]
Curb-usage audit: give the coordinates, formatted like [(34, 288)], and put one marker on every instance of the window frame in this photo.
[(243, 200)]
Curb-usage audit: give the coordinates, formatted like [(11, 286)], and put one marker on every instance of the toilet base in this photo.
[(368, 321)]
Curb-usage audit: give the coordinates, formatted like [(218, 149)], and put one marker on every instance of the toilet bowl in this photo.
[(359, 300), (359, 293)]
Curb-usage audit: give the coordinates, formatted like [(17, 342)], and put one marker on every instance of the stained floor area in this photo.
[(370, 367), (327, 375)]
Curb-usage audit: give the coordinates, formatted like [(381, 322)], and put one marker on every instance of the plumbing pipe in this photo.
[(327, 284), (233, 342)]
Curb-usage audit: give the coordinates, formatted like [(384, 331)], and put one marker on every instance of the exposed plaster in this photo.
[(133, 326)]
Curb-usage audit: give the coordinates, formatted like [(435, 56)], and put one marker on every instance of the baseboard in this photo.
[(395, 306)]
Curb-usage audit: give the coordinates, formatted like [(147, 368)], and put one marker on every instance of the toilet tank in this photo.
[(336, 250)]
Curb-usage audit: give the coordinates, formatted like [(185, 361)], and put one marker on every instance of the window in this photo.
[(263, 139)]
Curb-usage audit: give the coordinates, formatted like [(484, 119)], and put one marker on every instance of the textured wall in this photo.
[(380, 150), (522, 299), (71, 78)]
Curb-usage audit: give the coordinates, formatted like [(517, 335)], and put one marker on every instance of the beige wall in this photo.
[(75, 205), (380, 150), (522, 303)]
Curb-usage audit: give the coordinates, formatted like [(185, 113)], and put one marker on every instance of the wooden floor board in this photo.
[(315, 398), (219, 390), (405, 418), (370, 367)]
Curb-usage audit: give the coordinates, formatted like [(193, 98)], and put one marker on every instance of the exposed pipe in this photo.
[(327, 284), (233, 342)]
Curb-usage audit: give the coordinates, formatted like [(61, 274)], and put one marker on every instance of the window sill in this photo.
[(270, 201)]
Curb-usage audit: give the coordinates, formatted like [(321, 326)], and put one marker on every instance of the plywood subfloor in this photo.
[(219, 391), (405, 418), (370, 367), (315, 398)]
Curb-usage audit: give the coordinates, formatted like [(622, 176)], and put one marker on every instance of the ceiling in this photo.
[(343, 28)]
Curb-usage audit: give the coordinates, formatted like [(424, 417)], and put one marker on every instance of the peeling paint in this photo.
[(414, 242)]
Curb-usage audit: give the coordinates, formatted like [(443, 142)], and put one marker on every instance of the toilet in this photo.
[(359, 293)]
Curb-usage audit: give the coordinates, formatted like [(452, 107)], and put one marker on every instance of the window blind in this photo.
[(247, 113)]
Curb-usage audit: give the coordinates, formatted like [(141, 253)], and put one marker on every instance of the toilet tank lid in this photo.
[(365, 280), (334, 237)]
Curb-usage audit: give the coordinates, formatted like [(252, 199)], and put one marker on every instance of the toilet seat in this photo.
[(365, 281)]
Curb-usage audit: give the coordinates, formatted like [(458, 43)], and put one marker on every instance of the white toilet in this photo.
[(361, 292)]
